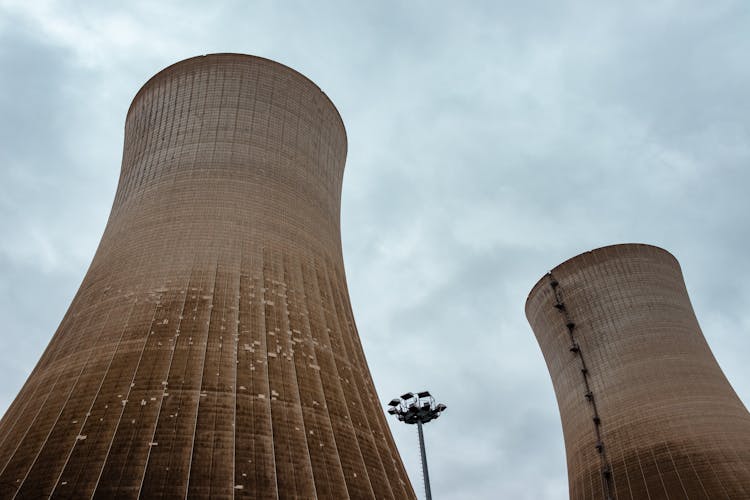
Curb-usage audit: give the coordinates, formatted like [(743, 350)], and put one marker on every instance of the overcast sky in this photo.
[(488, 142)]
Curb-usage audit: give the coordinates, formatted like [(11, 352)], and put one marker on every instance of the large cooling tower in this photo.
[(211, 349), (646, 411)]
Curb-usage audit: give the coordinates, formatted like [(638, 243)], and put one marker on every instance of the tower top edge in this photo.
[(172, 68), (613, 250)]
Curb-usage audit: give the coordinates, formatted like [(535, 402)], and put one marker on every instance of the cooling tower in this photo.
[(646, 411), (211, 349)]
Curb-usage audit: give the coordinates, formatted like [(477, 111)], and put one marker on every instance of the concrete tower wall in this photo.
[(211, 349), (646, 411)]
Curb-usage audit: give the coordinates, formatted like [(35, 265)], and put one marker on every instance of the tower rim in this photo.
[(164, 72), (604, 249)]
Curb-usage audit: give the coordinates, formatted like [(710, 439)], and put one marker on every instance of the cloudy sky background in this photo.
[(488, 142)]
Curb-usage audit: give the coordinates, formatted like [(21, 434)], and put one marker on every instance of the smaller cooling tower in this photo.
[(646, 411)]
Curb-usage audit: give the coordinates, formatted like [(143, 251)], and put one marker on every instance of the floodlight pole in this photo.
[(425, 473), (418, 409)]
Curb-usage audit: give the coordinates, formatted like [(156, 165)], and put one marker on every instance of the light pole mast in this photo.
[(425, 472), (418, 409)]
